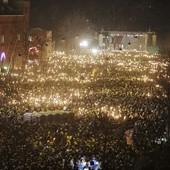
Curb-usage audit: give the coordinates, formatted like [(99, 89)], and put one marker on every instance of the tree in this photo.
[(117, 8), (73, 26), (128, 12), (20, 44)]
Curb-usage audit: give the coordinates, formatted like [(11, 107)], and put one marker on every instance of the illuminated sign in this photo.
[(2, 56)]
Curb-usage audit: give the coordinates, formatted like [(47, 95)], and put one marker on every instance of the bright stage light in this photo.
[(84, 43)]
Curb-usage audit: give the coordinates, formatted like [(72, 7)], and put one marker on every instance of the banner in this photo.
[(129, 136)]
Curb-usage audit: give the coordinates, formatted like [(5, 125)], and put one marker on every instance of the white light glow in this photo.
[(94, 51), (84, 43)]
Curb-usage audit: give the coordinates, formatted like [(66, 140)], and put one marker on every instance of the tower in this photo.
[(24, 5)]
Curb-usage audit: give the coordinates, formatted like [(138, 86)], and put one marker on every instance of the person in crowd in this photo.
[(82, 164), (94, 164), (122, 94)]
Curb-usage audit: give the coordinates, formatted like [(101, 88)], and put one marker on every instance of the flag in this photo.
[(129, 136)]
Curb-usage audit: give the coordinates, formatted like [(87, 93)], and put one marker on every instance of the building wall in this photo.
[(41, 40), (25, 6), (120, 40), (13, 39), (9, 32)]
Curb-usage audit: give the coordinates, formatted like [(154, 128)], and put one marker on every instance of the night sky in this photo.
[(131, 15)]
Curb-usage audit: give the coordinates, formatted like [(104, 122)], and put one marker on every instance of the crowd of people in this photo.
[(110, 94)]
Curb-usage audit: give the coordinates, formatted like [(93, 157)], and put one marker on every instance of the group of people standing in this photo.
[(83, 164)]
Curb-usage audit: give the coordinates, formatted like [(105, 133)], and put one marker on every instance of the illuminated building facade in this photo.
[(14, 26), (40, 43), (122, 40)]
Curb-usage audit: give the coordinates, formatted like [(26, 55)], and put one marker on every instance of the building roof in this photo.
[(9, 8)]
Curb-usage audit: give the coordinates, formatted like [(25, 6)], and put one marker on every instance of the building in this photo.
[(14, 26), (128, 41), (40, 43)]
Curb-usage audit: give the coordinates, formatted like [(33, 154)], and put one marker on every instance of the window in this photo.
[(2, 39), (19, 37), (29, 38), (26, 10)]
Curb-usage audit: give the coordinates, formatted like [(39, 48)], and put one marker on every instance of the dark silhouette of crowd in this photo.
[(108, 95)]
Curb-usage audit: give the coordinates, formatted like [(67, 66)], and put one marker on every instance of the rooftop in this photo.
[(9, 7)]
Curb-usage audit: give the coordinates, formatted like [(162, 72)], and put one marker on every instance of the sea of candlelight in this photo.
[(89, 84)]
